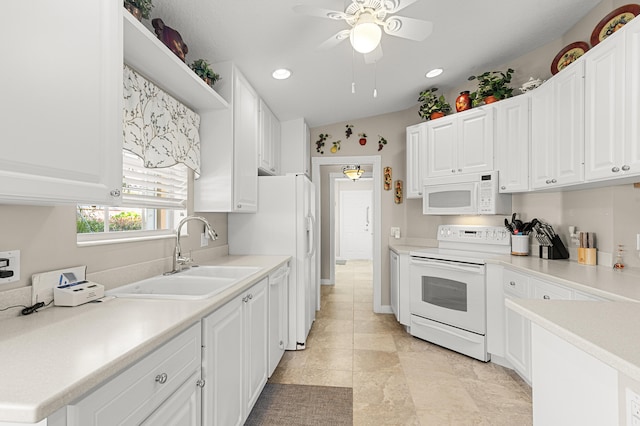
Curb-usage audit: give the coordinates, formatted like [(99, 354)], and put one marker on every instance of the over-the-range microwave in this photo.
[(472, 194)]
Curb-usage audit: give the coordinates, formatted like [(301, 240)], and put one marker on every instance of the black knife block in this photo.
[(555, 251)]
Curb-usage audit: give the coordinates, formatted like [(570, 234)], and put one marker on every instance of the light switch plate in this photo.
[(14, 265)]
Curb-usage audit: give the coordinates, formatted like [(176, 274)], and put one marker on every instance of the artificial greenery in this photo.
[(204, 70), (145, 6), (492, 83), (432, 103)]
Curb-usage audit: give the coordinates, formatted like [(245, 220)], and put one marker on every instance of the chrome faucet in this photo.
[(181, 262)]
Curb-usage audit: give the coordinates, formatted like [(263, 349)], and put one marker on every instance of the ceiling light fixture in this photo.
[(352, 171), (366, 34), (281, 74), (434, 72)]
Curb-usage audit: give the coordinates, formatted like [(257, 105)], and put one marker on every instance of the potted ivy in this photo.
[(139, 8), (204, 71), (492, 86), (433, 106)]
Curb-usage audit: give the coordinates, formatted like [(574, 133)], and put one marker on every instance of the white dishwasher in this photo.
[(278, 315)]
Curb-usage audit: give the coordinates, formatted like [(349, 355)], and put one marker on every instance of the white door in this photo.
[(356, 229)]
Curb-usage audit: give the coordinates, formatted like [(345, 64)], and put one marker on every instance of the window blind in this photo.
[(163, 188)]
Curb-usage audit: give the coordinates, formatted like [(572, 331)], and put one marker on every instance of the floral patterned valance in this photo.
[(158, 128)]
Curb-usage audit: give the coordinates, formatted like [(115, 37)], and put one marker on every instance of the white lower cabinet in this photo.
[(399, 286), (163, 386), (278, 315), (234, 360)]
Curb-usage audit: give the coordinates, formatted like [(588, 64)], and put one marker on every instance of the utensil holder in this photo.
[(520, 245), (556, 250)]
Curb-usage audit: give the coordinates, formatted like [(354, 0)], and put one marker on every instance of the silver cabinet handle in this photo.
[(453, 170), (512, 283), (626, 168), (115, 193), (161, 378), (503, 187), (459, 170), (548, 181), (420, 193), (200, 383), (553, 181), (545, 297), (615, 169)]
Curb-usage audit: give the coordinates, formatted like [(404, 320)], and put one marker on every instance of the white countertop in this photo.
[(606, 330), (50, 358)]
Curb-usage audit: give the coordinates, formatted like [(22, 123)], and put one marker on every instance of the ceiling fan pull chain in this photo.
[(375, 79), (353, 72)]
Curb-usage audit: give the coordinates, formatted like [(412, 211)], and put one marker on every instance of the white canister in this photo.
[(520, 245)]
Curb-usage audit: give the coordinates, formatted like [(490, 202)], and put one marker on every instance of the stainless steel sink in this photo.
[(196, 283)]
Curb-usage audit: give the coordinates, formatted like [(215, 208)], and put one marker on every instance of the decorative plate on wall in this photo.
[(613, 22), (568, 55)]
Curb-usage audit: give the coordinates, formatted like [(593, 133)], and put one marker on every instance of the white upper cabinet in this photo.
[(416, 159), (460, 143), (269, 142), (557, 129), (61, 109), (612, 144), (295, 147), (512, 143), (229, 148)]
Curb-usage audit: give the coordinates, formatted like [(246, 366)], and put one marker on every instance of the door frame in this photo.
[(375, 161)]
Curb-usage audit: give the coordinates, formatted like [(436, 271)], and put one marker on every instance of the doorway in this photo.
[(326, 246)]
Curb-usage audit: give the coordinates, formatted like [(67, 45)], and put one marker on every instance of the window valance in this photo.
[(158, 128)]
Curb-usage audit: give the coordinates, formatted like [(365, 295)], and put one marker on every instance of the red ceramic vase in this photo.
[(436, 114), (490, 99), (463, 102)]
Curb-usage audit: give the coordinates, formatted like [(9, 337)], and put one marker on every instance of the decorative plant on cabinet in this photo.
[(139, 8), (204, 71), (492, 86), (433, 106)]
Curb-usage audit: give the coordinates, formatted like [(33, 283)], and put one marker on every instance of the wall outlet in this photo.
[(204, 239), (11, 272), (395, 232)]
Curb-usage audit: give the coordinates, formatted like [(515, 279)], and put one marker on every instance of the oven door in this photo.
[(453, 198), (449, 292)]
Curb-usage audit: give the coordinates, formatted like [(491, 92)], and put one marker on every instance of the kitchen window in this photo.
[(153, 203)]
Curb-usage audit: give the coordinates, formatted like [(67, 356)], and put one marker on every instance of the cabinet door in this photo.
[(269, 141), (604, 99), (442, 135), (512, 143), (394, 282), (278, 316), (245, 161), (61, 124), (222, 365), (275, 144), (518, 342), (416, 159), (542, 136), (256, 332), (569, 125), (475, 141), (182, 408), (631, 163)]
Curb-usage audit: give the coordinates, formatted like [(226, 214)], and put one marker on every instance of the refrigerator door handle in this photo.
[(311, 240)]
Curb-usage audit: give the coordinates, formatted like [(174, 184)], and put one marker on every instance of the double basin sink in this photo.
[(198, 282)]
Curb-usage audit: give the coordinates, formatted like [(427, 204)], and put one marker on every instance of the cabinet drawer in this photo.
[(516, 284), (547, 290), (135, 393)]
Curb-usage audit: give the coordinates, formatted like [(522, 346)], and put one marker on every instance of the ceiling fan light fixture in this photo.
[(434, 72), (352, 171), (281, 74), (365, 37)]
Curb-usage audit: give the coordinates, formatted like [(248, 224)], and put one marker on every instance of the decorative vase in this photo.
[(463, 102), (436, 114), (208, 80), (490, 99), (136, 12)]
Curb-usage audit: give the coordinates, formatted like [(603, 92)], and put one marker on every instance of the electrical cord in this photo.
[(28, 309)]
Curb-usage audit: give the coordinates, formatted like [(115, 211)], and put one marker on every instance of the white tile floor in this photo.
[(396, 378)]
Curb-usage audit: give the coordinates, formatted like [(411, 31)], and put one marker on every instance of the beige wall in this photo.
[(609, 212), (46, 238)]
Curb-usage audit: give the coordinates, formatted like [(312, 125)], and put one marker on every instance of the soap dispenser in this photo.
[(619, 262)]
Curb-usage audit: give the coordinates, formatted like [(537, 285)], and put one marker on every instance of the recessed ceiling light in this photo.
[(434, 72), (281, 74)]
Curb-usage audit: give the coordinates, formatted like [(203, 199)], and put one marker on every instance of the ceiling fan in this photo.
[(367, 19)]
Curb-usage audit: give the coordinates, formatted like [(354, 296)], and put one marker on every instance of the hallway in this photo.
[(398, 379)]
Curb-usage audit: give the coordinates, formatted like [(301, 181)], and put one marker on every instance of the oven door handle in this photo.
[(452, 266)]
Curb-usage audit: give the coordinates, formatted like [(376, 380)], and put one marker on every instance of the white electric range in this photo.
[(448, 287)]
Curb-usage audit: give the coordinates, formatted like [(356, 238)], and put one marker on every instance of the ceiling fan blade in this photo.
[(305, 9), (394, 6), (373, 56), (413, 29), (335, 39)]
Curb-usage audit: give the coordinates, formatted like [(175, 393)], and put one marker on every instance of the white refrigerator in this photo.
[(285, 224)]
